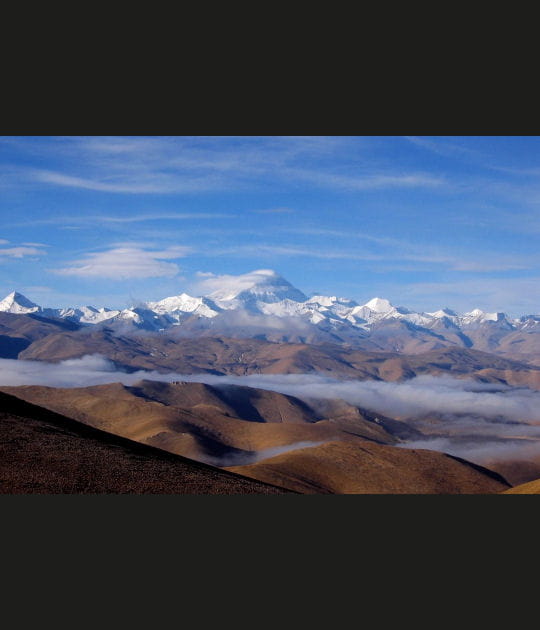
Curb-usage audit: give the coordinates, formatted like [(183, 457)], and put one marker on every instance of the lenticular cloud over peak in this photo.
[(264, 285)]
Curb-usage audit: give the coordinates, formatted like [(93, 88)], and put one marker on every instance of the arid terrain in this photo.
[(362, 467), (532, 487), (268, 436), (45, 453), (25, 337), (326, 445)]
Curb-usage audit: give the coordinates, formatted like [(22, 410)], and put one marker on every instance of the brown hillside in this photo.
[(200, 421), (17, 332), (252, 356), (362, 467), (532, 487)]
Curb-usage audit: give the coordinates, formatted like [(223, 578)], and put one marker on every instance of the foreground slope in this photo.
[(42, 452), (363, 467)]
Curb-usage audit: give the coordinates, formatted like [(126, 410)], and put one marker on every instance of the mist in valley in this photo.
[(466, 418)]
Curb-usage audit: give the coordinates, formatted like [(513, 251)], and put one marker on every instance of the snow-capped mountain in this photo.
[(85, 314), (178, 306), (18, 304), (263, 299), (263, 286)]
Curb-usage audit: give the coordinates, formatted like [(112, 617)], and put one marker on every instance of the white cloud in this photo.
[(126, 261), (3, 241), (184, 165), (443, 147), (369, 181), (291, 250), (91, 220), (178, 216), (142, 183), (229, 284), (415, 397), (20, 252), (391, 256), (275, 211)]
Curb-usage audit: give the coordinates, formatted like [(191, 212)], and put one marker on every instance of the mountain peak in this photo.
[(379, 305), (264, 285), (481, 316), (443, 312), (16, 302)]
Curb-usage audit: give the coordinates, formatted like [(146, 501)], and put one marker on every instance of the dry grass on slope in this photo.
[(362, 467), (200, 421), (42, 452), (532, 487)]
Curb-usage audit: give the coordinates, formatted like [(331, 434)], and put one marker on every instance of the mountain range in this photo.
[(259, 324), (264, 305)]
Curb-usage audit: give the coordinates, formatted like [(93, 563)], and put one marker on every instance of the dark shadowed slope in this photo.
[(42, 452), (18, 332)]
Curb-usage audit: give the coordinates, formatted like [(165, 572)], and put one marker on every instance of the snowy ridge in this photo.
[(266, 295), (179, 305)]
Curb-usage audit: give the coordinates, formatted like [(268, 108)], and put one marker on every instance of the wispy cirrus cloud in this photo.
[(180, 165), (173, 216), (124, 261), (391, 257), (370, 181), (291, 250), (20, 251), (71, 222), (445, 147), (141, 183), (275, 211)]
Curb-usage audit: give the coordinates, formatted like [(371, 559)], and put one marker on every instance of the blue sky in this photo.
[(426, 222)]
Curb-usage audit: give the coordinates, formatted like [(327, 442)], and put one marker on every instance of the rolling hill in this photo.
[(42, 452), (268, 436), (363, 467)]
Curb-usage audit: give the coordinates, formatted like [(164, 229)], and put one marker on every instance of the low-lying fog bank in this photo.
[(480, 420)]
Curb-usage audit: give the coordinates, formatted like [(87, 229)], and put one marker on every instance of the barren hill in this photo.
[(17, 332), (532, 487), (368, 468), (207, 423), (220, 355), (267, 436)]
